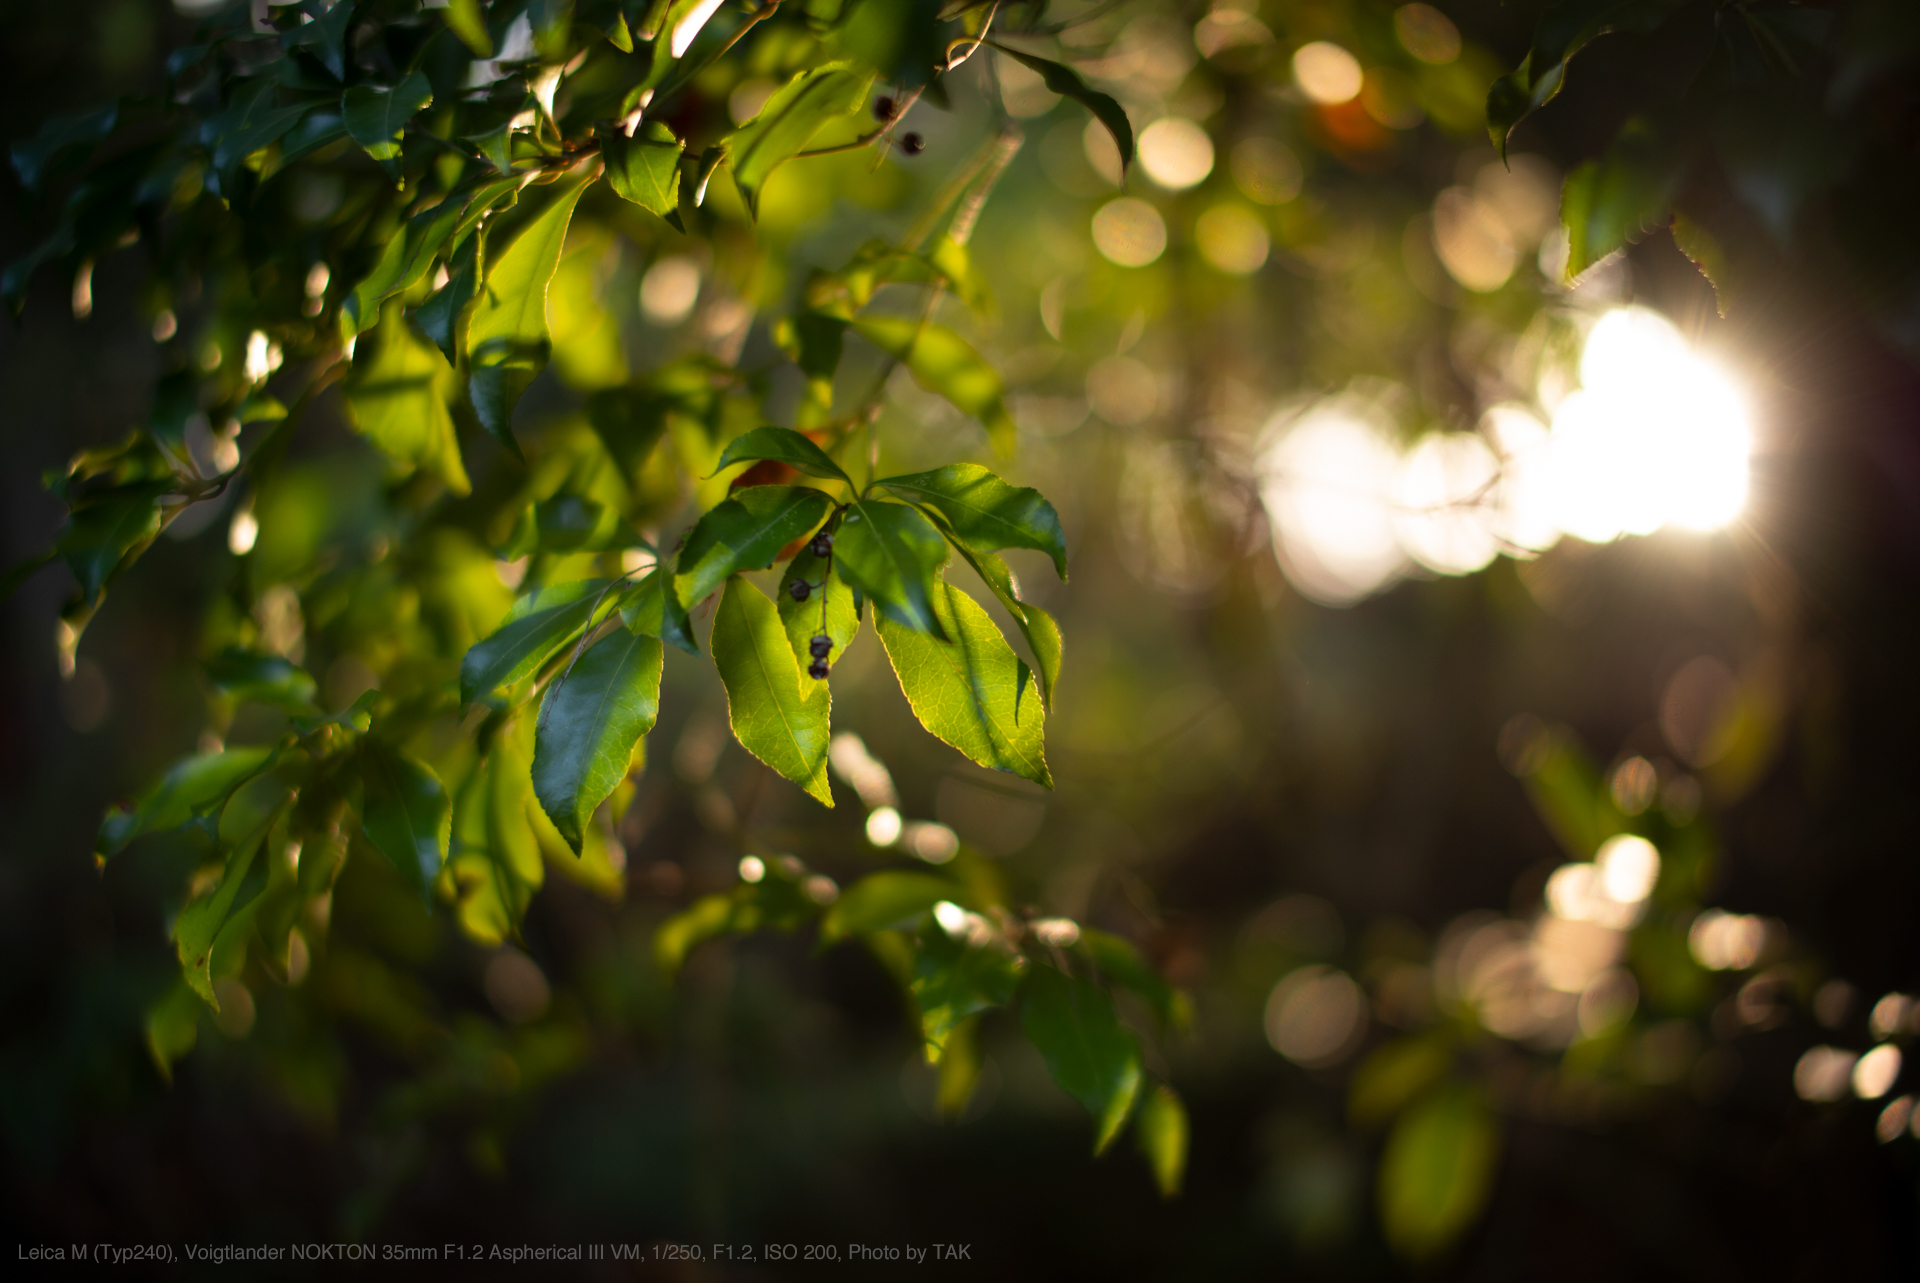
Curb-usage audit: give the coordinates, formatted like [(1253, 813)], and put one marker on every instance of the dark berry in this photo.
[(822, 544), (912, 144), (821, 646), (799, 589), (817, 670), (883, 108)]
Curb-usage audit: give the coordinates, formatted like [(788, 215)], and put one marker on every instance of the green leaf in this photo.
[(986, 513), (406, 816), (194, 791), (1162, 1132), (786, 446), (173, 1026), (704, 919), (882, 900), (1093, 1058), (645, 169), (253, 119), (404, 262), (1705, 251), (649, 608), (796, 112), (774, 717), (1627, 192), (77, 132), (953, 980), (973, 692), (944, 363), (440, 317), (592, 717), (375, 116), (537, 627), (1565, 27), (745, 532), (397, 394), (1394, 1075), (106, 531), (1121, 964), (267, 679), (326, 36), (1066, 82), (1035, 624), (833, 609), (892, 554), (199, 925), (1437, 1172), (507, 340), (466, 21)]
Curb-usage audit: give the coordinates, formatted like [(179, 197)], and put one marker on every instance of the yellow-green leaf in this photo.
[(398, 394), (776, 717)]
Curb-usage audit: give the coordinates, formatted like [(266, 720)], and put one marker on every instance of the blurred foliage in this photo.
[(444, 529)]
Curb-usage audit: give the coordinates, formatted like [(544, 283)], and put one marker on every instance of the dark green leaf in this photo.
[(107, 530), (196, 790), (953, 980), (892, 554), (1093, 1058), (1162, 1132), (789, 120), (1066, 82), (441, 318), (593, 716), (398, 393), (376, 116), (507, 340), (785, 445), (406, 816), (253, 119), (745, 532), (943, 362), (539, 625), (973, 692), (1121, 964), (882, 900), (325, 37), (645, 169), (1610, 202), (649, 608), (1394, 1075), (77, 133), (1437, 1171), (267, 679), (774, 716), (1565, 27), (404, 262), (831, 609), (986, 513)]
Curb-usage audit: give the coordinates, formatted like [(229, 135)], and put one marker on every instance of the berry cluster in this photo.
[(821, 645)]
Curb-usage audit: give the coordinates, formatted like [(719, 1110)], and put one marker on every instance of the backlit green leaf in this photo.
[(268, 679), (973, 691), (745, 532), (593, 715), (507, 339), (1162, 1131), (645, 169), (1093, 1058), (776, 717), (945, 363), (398, 393), (375, 116), (1608, 203), (465, 19), (194, 790), (985, 512), (892, 554), (404, 262), (796, 112), (953, 980), (407, 816), (786, 446), (1437, 1172), (538, 626), (200, 923)]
